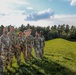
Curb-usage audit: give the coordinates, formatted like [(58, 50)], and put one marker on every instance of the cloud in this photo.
[(18, 19), (12, 6), (65, 19), (73, 2), (55, 20), (29, 8), (40, 15)]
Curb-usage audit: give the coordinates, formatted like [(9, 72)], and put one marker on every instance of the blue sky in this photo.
[(37, 12)]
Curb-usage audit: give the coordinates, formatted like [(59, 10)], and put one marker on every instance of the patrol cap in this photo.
[(20, 32), (29, 30), (41, 31), (5, 30), (11, 26), (25, 30)]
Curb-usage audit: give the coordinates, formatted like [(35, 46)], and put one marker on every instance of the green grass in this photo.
[(59, 59)]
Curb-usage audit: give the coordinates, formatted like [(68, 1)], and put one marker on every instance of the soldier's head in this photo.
[(20, 34), (5, 30), (25, 32), (11, 28), (29, 31), (36, 34), (41, 33)]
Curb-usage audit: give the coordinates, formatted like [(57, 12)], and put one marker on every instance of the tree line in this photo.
[(56, 31)]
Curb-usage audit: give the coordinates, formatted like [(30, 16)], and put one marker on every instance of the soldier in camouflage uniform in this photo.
[(42, 42), (24, 49), (29, 44), (13, 38), (1, 60), (37, 45), (20, 47), (5, 47)]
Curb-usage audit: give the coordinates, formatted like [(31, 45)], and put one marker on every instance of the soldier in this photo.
[(1, 61), (25, 46), (20, 47), (5, 47), (29, 43), (13, 38), (37, 45), (42, 42)]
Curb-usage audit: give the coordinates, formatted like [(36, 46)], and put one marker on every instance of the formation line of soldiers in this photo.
[(12, 45)]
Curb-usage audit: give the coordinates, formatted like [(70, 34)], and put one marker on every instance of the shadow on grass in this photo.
[(41, 67)]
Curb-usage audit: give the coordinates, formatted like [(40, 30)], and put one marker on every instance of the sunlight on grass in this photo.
[(59, 59)]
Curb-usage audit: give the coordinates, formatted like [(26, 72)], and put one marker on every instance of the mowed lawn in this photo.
[(59, 59), (63, 52)]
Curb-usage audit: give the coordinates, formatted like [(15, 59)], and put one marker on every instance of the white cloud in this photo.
[(7, 6), (55, 20), (73, 2), (65, 19), (29, 8), (17, 20), (40, 15)]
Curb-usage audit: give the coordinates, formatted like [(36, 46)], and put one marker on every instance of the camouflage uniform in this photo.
[(1, 60), (42, 44), (29, 44), (20, 44), (13, 43), (5, 41), (37, 46)]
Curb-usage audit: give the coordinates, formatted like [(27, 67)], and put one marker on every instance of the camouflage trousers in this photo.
[(42, 49), (1, 65), (38, 52), (4, 60), (7, 58), (27, 53), (12, 53), (24, 53), (18, 56)]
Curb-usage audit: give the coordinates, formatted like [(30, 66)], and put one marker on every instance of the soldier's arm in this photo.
[(32, 41), (44, 40), (0, 46)]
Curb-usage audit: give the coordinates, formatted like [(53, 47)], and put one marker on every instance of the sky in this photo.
[(37, 12)]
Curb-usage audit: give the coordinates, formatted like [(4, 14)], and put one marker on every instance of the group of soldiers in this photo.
[(12, 45)]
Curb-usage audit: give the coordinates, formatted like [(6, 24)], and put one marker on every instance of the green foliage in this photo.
[(60, 31)]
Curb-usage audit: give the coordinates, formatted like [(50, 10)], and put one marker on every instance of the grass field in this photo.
[(59, 59)]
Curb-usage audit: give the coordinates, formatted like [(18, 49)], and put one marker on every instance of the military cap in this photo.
[(29, 30), (25, 30), (5, 30), (41, 31)]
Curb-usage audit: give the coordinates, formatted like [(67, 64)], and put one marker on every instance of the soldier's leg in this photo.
[(35, 49), (1, 68), (29, 53), (18, 57), (11, 57), (42, 51), (5, 60), (1, 65), (37, 53), (24, 54)]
